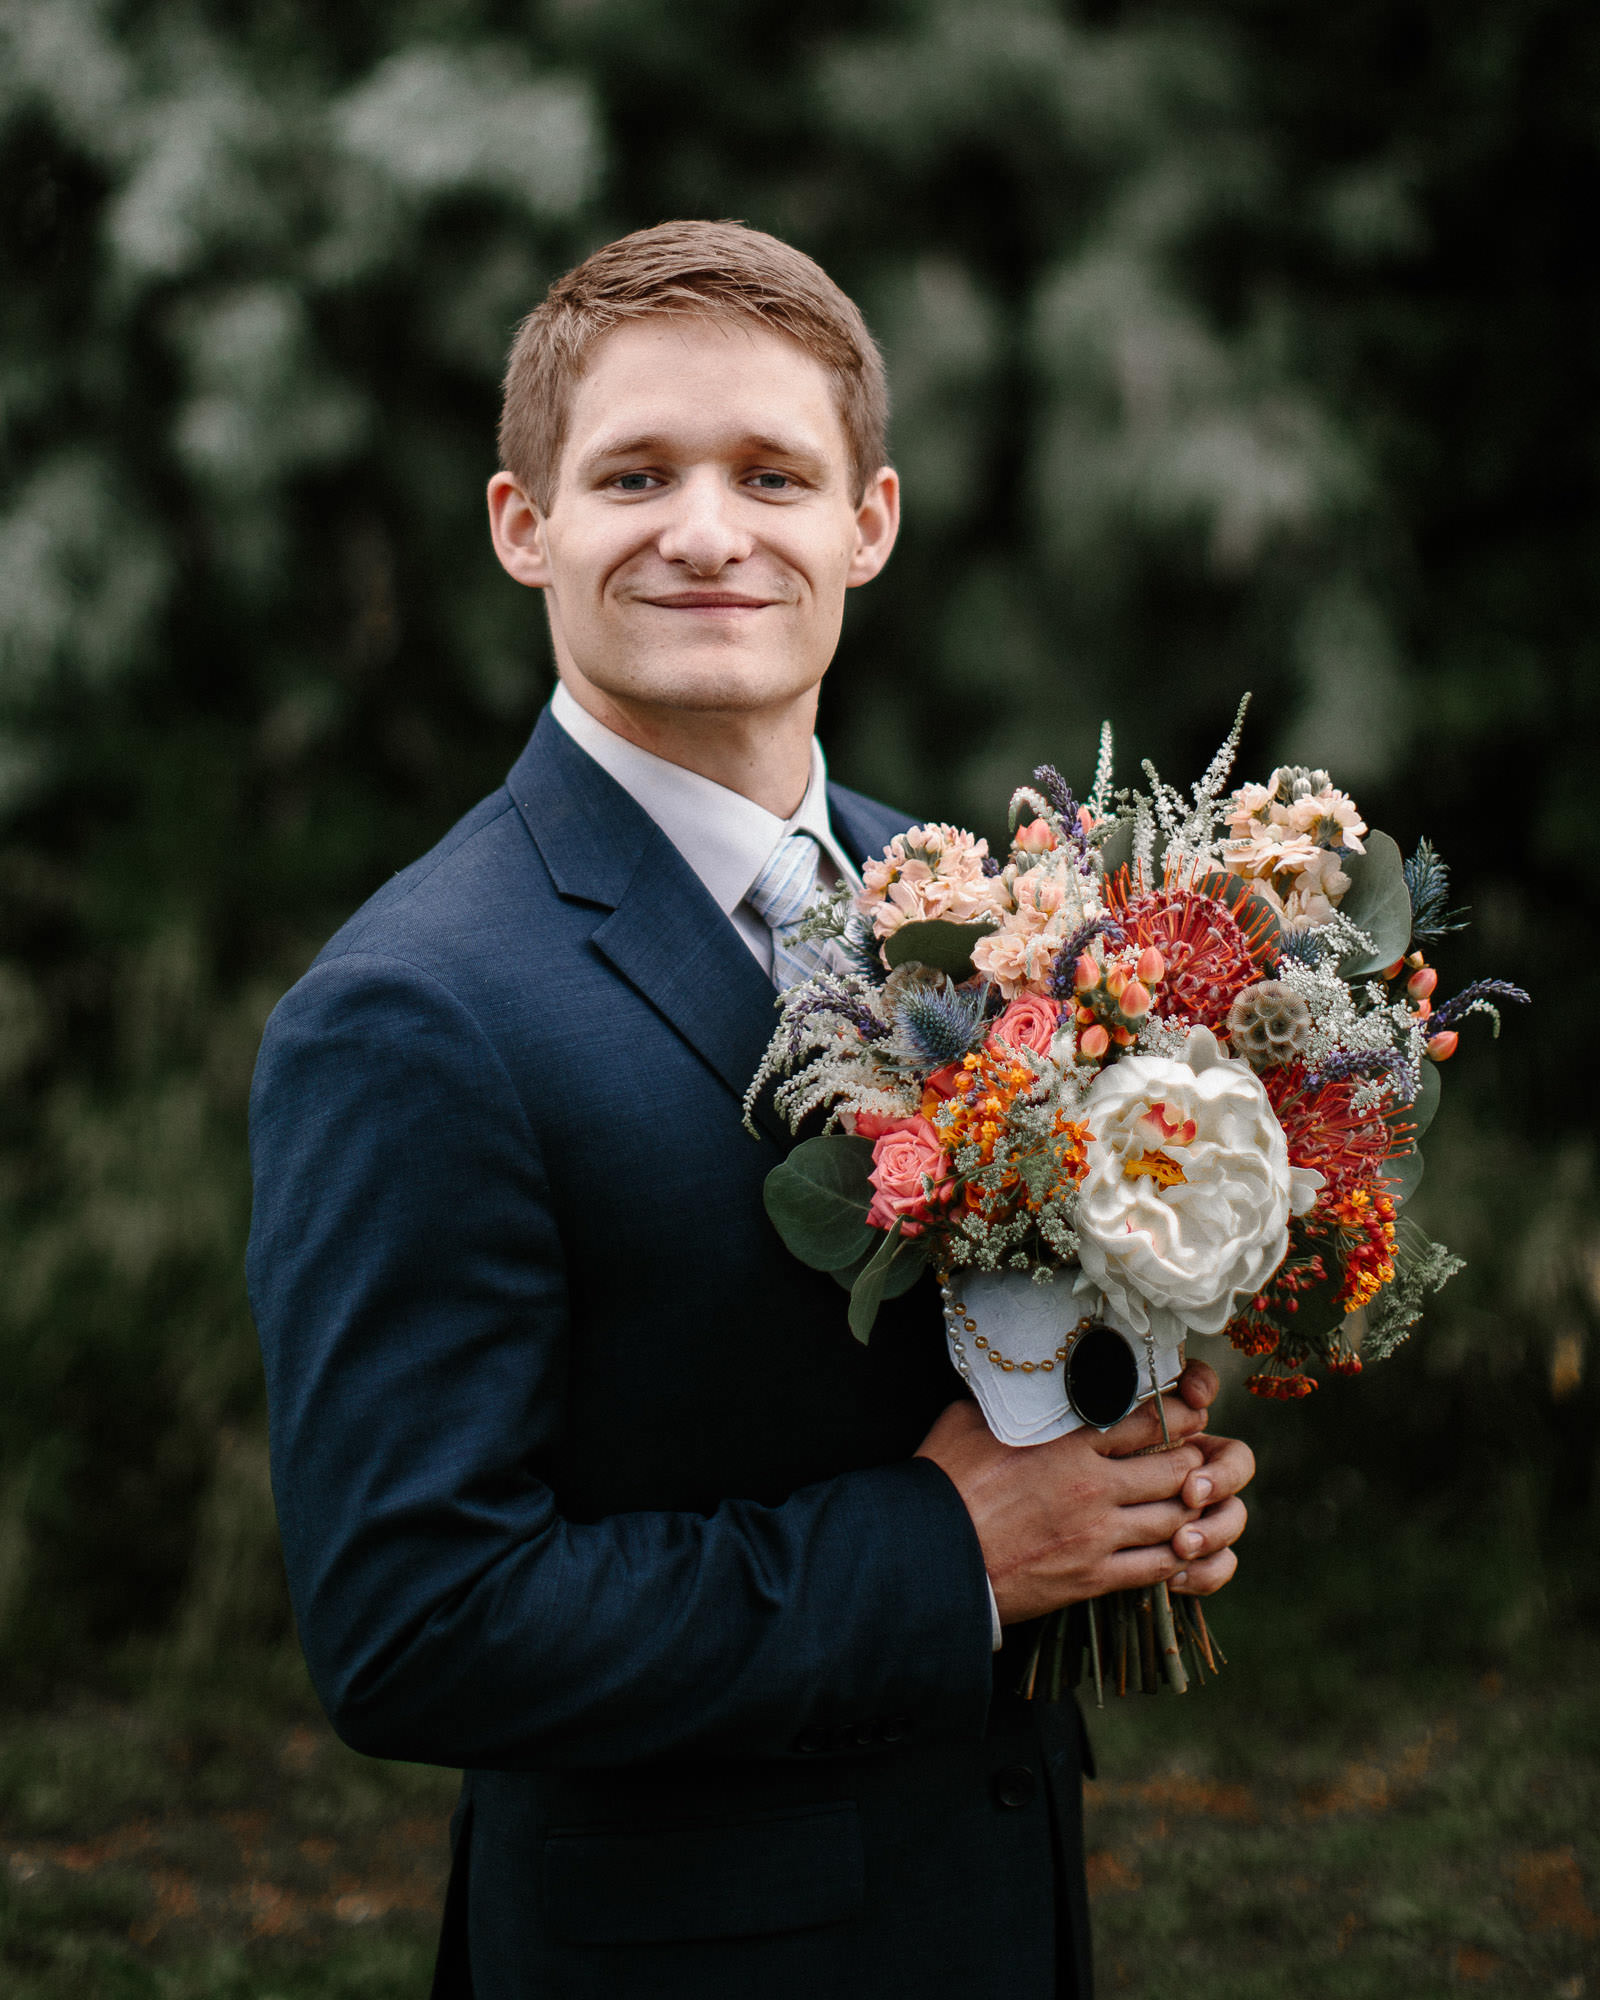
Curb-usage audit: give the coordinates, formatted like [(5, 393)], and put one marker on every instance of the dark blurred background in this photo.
[(1233, 345)]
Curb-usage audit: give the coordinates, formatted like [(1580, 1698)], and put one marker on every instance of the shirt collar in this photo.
[(725, 837)]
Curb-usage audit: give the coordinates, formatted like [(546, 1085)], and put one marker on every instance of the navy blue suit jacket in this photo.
[(584, 1485)]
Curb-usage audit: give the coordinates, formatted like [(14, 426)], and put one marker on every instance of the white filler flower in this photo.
[(1187, 1199)]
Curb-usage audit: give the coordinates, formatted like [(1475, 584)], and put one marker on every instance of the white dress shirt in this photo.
[(725, 838)]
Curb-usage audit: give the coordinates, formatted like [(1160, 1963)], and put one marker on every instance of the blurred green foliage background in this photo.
[(1233, 345)]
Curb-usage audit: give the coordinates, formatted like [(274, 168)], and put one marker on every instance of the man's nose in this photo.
[(704, 532)]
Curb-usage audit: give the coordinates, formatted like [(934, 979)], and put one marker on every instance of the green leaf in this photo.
[(1116, 850), (818, 1199), (945, 946), (1404, 1170), (1414, 1119), (903, 1271), (1379, 903), (1401, 1175), (873, 1286)]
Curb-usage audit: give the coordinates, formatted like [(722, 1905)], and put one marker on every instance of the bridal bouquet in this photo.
[(1163, 1070)]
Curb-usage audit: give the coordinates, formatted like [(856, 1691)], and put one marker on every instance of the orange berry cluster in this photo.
[(1420, 988), (1111, 1001)]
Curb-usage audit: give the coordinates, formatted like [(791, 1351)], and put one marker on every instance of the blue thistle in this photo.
[(860, 948), (1304, 947), (938, 1025), (1428, 880)]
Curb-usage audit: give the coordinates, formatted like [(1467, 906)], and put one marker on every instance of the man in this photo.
[(584, 1484)]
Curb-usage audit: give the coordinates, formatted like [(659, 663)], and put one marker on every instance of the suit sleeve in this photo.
[(407, 1281)]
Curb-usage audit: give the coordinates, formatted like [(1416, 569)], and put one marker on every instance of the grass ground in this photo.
[(1290, 1831)]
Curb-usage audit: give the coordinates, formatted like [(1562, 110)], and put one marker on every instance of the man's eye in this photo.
[(772, 482), (634, 482)]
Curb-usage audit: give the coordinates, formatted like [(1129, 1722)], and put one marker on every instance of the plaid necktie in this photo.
[(781, 895)]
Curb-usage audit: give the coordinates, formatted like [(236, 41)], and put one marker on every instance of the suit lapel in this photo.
[(664, 934)]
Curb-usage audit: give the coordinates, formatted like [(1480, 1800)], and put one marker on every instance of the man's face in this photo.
[(703, 531)]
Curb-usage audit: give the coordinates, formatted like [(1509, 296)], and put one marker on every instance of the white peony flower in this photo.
[(1186, 1203)]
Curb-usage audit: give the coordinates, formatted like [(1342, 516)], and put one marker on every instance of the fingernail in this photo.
[(1201, 1487), (1177, 1577), (1189, 1541)]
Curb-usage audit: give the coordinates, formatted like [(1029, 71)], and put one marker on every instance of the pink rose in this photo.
[(1030, 1022), (906, 1157), (870, 1124)]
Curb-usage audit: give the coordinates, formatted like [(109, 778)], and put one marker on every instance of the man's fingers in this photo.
[(1141, 1428), (1137, 1569), (1217, 1528), (1158, 1477), (1210, 1573), (1147, 1526), (1198, 1384), (1228, 1466)]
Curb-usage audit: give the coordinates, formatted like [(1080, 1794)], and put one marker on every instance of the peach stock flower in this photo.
[(1288, 836), (1015, 963), (932, 871)]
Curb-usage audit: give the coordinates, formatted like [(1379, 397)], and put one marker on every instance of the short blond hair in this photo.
[(711, 270)]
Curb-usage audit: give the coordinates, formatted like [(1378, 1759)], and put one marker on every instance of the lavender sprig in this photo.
[(1066, 965), (1476, 999), (1346, 1065), (1060, 794), (824, 995)]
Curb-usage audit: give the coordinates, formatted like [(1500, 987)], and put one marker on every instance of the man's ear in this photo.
[(517, 529), (877, 525)]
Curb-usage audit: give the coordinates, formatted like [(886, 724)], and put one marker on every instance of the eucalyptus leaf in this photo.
[(1320, 1312), (818, 1199), (872, 1287), (1401, 1175), (1378, 903), (1116, 850), (903, 1271), (945, 946), (1414, 1119)]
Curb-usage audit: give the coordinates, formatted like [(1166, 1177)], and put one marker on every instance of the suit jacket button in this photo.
[(864, 1735), (810, 1741), (1015, 1785), (893, 1729)]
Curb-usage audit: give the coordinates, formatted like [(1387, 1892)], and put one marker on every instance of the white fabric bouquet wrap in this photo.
[(1029, 1322)]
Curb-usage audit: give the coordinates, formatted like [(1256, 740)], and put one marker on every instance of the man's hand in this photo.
[(1084, 1515)]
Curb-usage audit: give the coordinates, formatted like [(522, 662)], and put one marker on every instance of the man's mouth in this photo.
[(709, 600)]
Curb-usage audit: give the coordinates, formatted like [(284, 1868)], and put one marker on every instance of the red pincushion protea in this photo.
[(1206, 951), (1347, 1147)]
